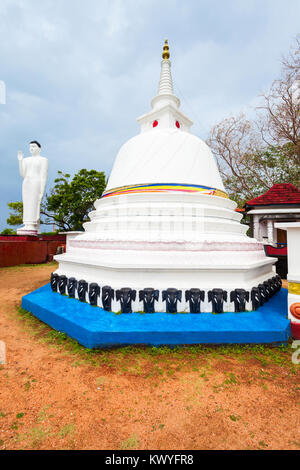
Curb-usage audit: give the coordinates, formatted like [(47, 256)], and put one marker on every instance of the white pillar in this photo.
[(270, 229), (256, 231), (293, 242)]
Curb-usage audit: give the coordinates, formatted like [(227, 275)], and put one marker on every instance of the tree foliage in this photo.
[(8, 231), (254, 154), (70, 201), (16, 216)]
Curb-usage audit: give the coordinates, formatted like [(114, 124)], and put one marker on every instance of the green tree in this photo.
[(8, 231), (16, 216), (70, 201)]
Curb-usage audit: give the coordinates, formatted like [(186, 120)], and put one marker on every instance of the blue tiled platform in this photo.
[(94, 327)]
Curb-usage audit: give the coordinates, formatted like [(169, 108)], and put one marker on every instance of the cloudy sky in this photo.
[(78, 73)]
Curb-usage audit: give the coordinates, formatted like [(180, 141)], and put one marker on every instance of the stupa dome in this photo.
[(165, 156)]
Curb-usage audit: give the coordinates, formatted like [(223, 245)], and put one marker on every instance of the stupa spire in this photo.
[(165, 112), (165, 86)]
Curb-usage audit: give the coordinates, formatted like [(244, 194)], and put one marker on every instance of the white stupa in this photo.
[(165, 220)]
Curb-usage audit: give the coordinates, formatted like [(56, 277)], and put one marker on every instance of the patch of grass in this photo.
[(34, 436), (130, 443), (57, 336), (67, 429), (100, 380), (232, 380), (264, 362), (27, 386), (42, 414), (76, 363), (234, 417), (19, 415), (262, 444), (30, 266), (2, 414)]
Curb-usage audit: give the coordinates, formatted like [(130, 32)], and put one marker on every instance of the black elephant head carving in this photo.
[(272, 285), (255, 298), (239, 297), (126, 295), (82, 290), (54, 281), (263, 294), (171, 296), (148, 296), (94, 293), (62, 284), (72, 286), (217, 297), (108, 294), (277, 283), (194, 297), (268, 289)]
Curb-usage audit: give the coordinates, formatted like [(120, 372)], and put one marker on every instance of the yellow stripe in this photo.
[(164, 187), (294, 288)]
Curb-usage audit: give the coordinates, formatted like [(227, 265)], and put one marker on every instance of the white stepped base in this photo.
[(163, 241)]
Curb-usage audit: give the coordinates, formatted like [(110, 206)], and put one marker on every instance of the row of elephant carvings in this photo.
[(258, 295)]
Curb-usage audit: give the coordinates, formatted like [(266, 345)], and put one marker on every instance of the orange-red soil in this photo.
[(54, 395)]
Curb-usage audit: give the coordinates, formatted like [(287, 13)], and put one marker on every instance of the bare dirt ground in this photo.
[(55, 394)]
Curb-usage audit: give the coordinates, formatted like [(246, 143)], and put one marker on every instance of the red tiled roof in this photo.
[(284, 193)]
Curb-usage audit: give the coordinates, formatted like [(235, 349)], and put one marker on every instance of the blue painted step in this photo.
[(94, 327)]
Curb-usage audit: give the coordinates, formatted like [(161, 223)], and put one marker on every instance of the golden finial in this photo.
[(166, 53)]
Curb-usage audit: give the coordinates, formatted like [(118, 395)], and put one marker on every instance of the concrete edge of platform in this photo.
[(41, 304)]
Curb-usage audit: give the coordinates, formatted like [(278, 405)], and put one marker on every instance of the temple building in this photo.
[(164, 236), (281, 204)]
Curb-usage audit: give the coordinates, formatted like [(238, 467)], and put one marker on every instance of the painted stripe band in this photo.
[(156, 188), (294, 288)]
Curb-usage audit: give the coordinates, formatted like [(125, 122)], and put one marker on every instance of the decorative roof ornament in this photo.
[(166, 53)]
